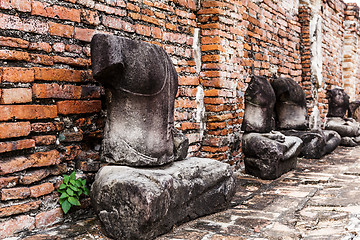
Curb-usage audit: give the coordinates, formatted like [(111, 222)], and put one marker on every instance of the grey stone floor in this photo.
[(319, 200)]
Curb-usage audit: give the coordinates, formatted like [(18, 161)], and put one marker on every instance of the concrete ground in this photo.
[(319, 200)]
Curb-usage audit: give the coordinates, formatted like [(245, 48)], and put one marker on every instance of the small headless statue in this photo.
[(292, 120), (348, 128), (268, 154)]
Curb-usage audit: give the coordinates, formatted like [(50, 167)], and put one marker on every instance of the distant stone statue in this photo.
[(292, 120), (139, 79), (354, 110), (148, 187), (268, 154), (348, 128)]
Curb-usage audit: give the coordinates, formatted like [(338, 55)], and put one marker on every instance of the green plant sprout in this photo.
[(71, 190)]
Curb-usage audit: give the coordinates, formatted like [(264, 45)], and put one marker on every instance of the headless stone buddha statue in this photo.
[(348, 128), (268, 154), (292, 120), (139, 78), (138, 195)]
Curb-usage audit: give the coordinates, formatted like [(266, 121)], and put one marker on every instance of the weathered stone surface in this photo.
[(259, 106), (316, 142), (338, 102), (354, 110), (292, 119), (141, 84), (345, 127), (144, 203), (181, 145), (268, 156), (348, 128), (313, 143), (290, 104), (332, 140)]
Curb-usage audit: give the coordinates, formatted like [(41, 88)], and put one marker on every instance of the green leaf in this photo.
[(62, 186), (74, 201), (78, 183), (62, 200), (72, 182), (80, 192), (83, 182), (70, 192), (74, 188), (66, 179), (86, 191), (72, 176), (66, 206), (61, 191), (64, 195)]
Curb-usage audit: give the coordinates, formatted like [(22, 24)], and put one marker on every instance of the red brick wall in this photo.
[(51, 116), (351, 67), (52, 111)]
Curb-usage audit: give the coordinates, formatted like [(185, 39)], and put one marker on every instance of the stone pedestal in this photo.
[(135, 203), (268, 156)]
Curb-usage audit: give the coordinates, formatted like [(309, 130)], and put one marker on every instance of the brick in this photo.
[(56, 11), (59, 47), (78, 107), (10, 22), (41, 59), (41, 190), (15, 193), (186, 3), (17, 129), (57, 29), (44, 140), (185, 103), (19, 208), (189, 125), (70, 153), (13, 42), (17, 224), (12, 55), (40, 46), (15, 165), (90, 17), (65, 91), (43, 127), (34, 176), (118, 24), (16, 74), (49, 218), (8, 182), (143, 30), (38, 159), (77, 62), (189, 81), (15, 95), (156, 32), (27, 112), (41, 159), (110, 10), (71, 137), (84, 34), (53, 74), (20, 5), (16, 145)]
